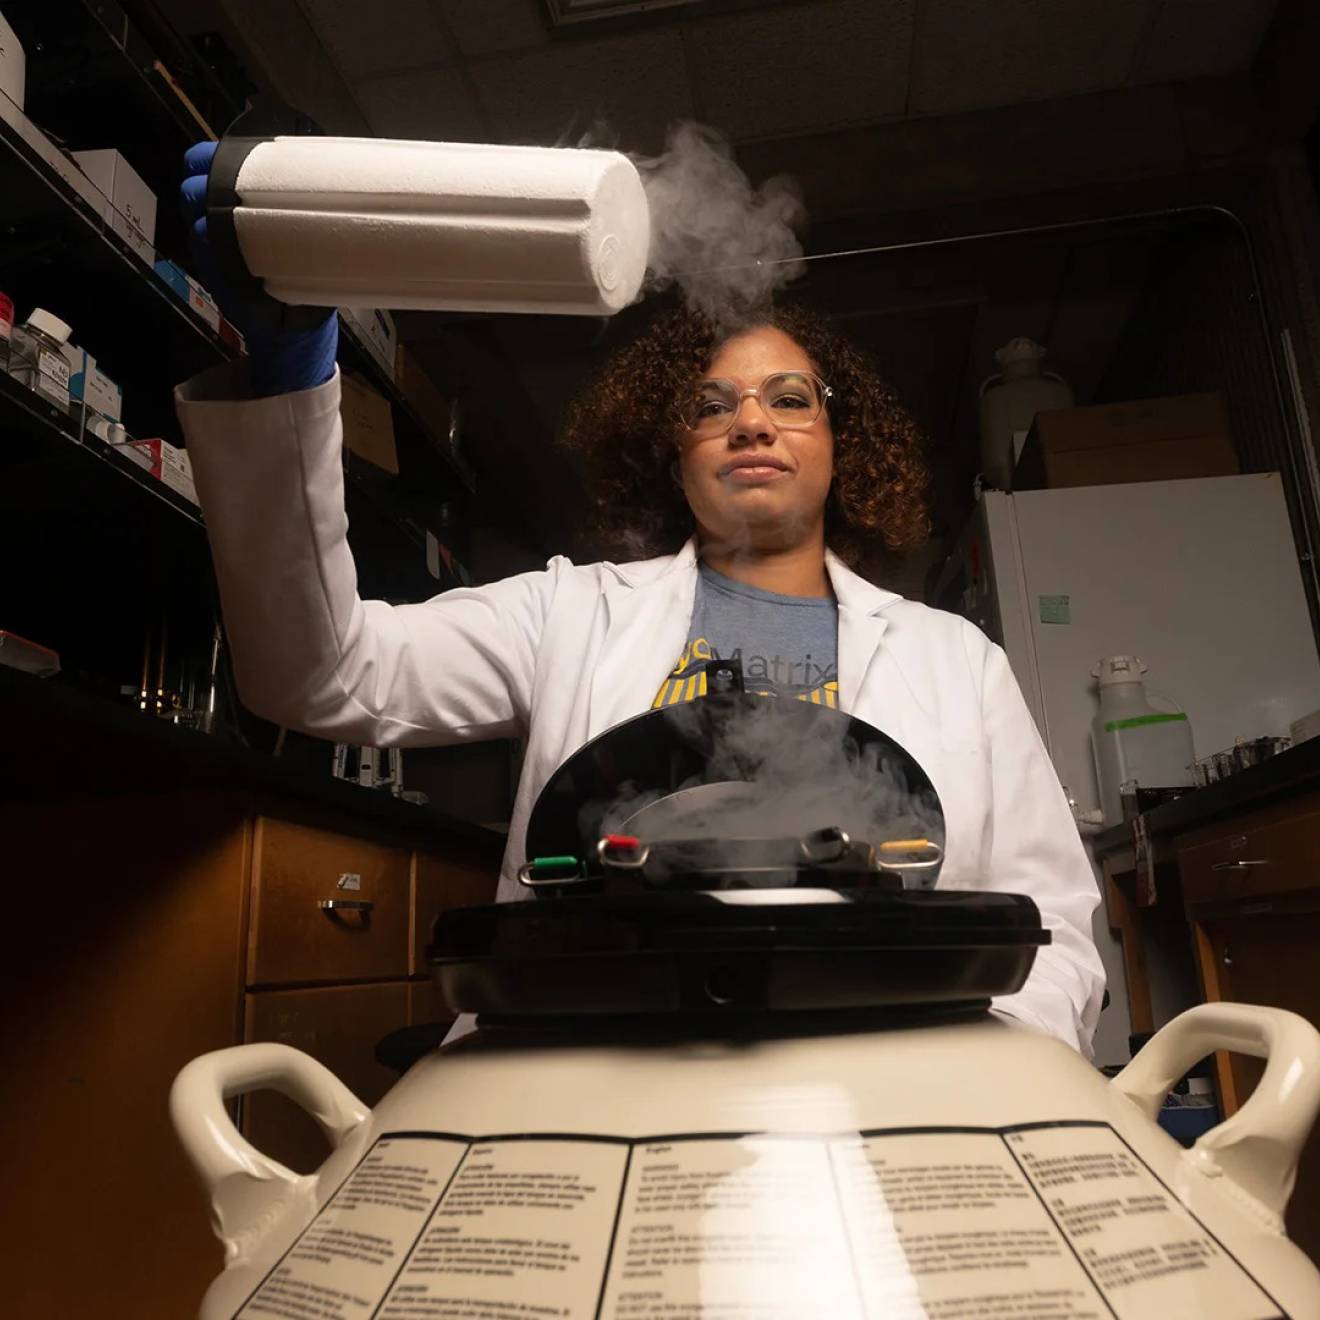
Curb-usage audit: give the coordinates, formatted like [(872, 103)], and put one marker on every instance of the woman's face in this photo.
[(758, 485)]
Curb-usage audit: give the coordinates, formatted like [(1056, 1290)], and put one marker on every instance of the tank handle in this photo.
[(1257, 1148), (249, 1192)]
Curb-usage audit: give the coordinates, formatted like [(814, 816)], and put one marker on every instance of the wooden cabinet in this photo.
[(1260, 854), (1251, 887), (295, 938), (456, 878), (1244, 884), (339, 1027), (124, 963), (152, 926), (1267, 957), (360, 972)]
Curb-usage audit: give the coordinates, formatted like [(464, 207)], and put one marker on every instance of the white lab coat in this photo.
[(558, 656)]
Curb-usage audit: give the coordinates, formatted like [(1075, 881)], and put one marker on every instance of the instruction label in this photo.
[(1059, 1221)]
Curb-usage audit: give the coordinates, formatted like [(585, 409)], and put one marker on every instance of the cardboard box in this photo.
[(232, 335), (90, 384), (1306, 728), (368, 424), (376, 330), (420, 390), (1184, 435), (175, 470), (190, 292), (166, 462), (132, 203), (145, 453), (101, 393), (200, 300)]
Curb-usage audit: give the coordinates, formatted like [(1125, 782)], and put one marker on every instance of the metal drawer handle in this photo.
[(1239, 866), (346, 904)]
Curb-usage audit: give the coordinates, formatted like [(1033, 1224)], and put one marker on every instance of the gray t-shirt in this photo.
[(788, 645)]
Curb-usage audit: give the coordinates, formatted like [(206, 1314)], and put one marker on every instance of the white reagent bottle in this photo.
[(1132, 739)]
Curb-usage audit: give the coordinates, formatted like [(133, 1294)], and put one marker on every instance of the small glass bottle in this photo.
[(36, 357)]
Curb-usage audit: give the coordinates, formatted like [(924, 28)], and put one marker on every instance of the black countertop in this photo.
[(1291, 771), (61, 739)]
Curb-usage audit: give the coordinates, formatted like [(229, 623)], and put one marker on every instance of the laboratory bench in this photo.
[(1231, 874), (168, 895)]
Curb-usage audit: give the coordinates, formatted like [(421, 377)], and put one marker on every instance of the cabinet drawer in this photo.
[(456, 879), (338, 1026), (294, 939), (1266, 853)]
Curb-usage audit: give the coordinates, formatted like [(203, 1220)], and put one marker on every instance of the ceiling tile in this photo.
[(432, 104), (483, 26), (1191, 38), (974, 53), (633, 85), (803, 68), (374, 38)]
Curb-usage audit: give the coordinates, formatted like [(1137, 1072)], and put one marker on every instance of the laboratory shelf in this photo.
[(431, 455), (49, 463), (52, 472), (59, 253), (93, 71)]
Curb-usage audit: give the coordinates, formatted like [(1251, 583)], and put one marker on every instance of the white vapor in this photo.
[(712, 233)]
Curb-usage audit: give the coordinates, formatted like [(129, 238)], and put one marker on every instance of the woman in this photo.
[(760, 463)]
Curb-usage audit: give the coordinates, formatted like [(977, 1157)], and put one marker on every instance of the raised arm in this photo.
[(308, 653)]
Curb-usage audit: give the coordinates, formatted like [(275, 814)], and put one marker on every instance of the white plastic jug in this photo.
[(1134, 740), (1010, 400)]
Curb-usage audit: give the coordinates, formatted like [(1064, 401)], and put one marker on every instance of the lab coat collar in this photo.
[(852, 592), (862, 624), (649, 607)]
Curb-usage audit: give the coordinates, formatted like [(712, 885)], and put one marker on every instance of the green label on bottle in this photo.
[(1114, 725)]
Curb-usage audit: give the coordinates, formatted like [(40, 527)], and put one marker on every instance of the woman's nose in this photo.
[(752, 422)]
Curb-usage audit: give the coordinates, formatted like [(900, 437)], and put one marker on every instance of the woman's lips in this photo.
[(754, 469), (757, 475)]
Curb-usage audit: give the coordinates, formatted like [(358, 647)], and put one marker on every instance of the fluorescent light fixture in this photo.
[(564, 12)]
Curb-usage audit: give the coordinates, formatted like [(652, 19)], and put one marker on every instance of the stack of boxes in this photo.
[(198, 299), (165, 462), (130, 206)]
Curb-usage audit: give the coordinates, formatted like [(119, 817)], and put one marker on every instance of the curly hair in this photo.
[(622, 427)]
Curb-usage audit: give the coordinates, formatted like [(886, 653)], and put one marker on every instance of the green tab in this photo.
[(564, 863), (1133, 723)]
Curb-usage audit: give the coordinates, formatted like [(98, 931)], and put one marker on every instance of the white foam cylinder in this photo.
[(371, 222)]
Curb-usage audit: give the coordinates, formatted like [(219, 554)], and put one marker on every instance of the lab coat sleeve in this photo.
[(308, 652), (1036, 850)]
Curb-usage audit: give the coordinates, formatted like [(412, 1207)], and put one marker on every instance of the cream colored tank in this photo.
[(937, 1172)]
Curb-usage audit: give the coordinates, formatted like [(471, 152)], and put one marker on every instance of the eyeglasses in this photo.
[(793, 400)]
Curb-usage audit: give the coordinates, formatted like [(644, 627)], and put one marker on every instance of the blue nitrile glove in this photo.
[(281, 361)]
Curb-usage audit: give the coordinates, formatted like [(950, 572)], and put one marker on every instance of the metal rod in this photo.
[(908, 245), (1293, 435)]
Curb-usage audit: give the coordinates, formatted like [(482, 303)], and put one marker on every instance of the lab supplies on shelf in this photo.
[(132, 205), (37, 359)]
